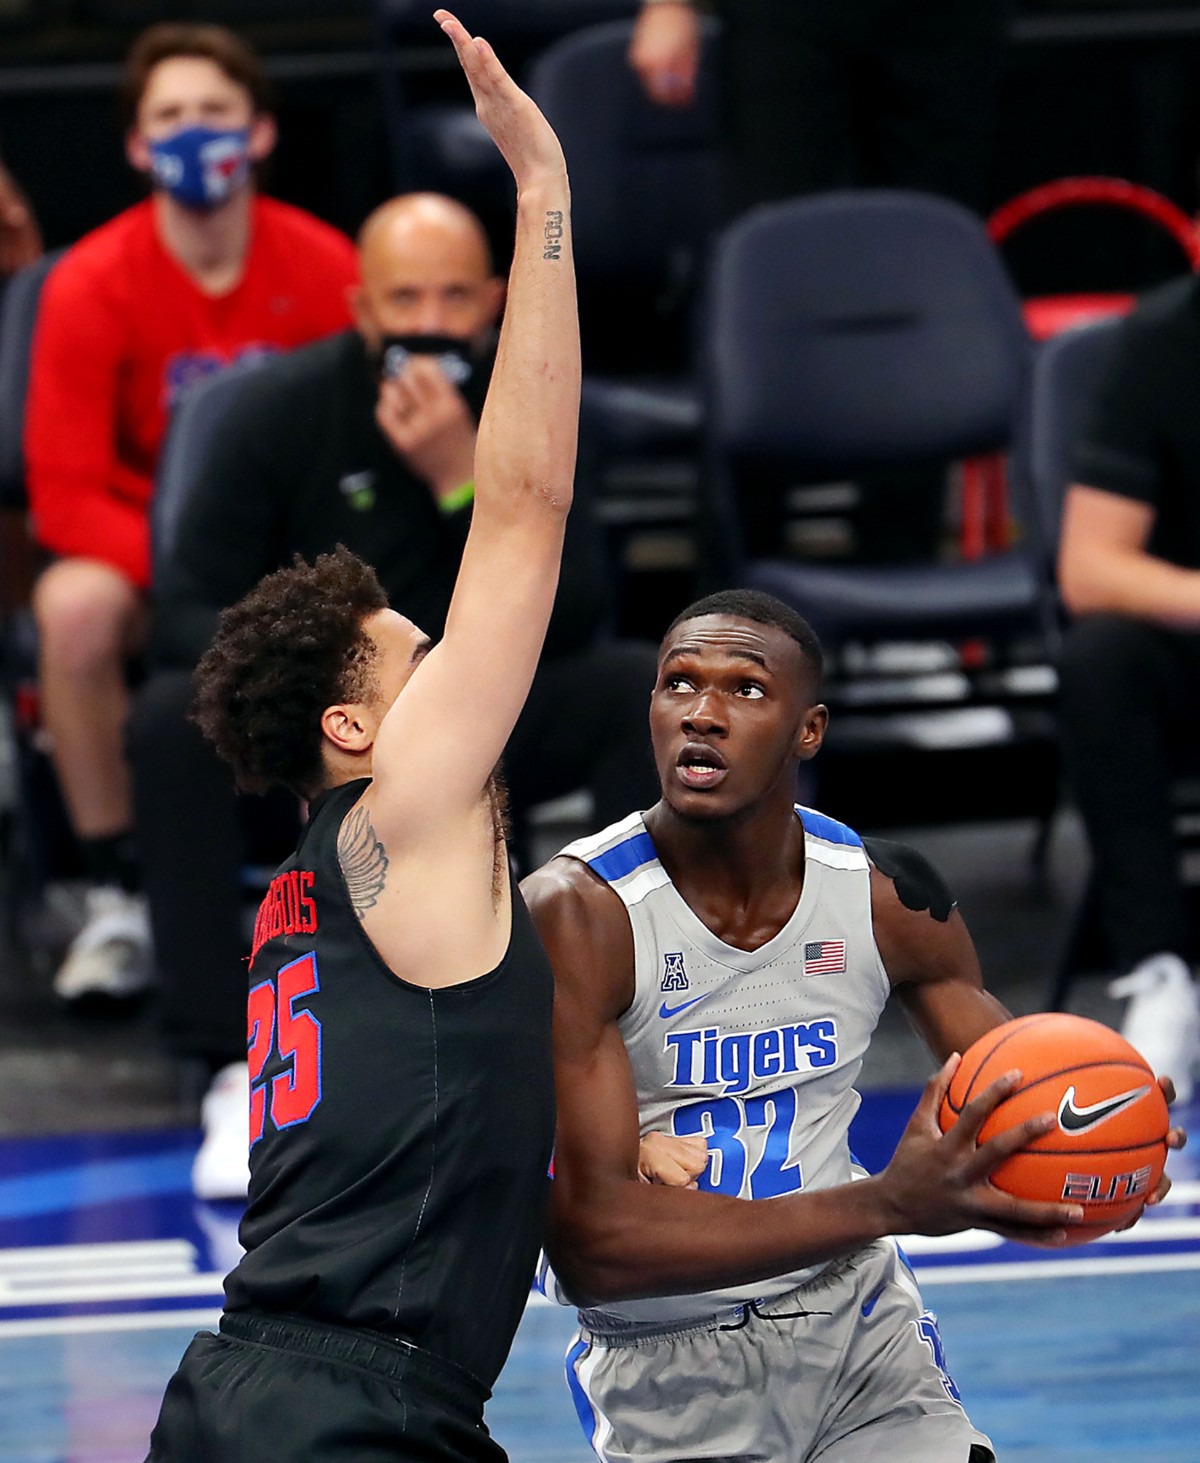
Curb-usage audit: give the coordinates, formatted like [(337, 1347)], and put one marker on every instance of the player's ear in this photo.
[(348, 727), (811, 733)]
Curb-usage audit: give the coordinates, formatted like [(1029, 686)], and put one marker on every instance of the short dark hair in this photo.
[(763, 609), (215, 43), (295, 645)]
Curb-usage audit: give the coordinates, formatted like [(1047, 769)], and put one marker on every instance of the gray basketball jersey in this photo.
[(757, 1050)]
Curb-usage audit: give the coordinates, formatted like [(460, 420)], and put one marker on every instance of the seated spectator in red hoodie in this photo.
[(204, 272)]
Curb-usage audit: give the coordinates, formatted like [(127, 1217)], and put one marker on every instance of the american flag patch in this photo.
[(824, 957)]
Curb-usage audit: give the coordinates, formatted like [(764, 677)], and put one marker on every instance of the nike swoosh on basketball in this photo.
[(1073, 1119), (666, 1011)]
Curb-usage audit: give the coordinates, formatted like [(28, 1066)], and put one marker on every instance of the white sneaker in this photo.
[(1163, 1018), (112, 956), (221, 1169)]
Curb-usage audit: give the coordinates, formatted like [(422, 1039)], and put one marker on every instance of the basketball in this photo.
[(1108, 1148)]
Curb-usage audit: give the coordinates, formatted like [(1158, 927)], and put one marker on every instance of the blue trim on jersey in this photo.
[(827, 828), (583, 1408), (626, 856)]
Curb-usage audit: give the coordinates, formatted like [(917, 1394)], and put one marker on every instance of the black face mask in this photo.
[(455, 357)]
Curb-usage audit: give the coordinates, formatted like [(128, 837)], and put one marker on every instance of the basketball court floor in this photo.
[(107, 1264)]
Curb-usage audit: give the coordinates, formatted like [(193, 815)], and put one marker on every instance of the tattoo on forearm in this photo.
[(554, 233), (363, 859)]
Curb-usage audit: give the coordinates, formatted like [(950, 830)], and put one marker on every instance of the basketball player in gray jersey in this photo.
[(720, 964)]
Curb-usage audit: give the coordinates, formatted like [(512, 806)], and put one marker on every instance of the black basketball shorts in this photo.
[(293, 1391)]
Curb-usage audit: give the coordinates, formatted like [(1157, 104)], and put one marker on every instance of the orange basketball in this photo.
[(1108, 1147)]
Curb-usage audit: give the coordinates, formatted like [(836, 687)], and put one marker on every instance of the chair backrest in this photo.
[(193, 425), (1067, 372), (18, 317), (499, 20), (861, 329), (646, 192)]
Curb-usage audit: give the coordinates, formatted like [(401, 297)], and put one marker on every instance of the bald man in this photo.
[(366, 439), (427, 291)]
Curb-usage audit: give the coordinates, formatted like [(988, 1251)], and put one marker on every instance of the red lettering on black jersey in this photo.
[(288, 908), (308, 905)]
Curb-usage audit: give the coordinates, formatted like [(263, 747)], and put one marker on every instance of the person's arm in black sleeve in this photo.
[(1105, 562), (229, 532), (1118, 448)]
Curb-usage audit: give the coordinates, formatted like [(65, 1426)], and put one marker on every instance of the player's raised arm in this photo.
[(479, 674)]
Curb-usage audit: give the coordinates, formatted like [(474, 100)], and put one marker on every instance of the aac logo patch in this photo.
[(674, 975)]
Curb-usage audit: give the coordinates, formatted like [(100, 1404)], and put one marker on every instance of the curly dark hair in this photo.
[(290, 648)]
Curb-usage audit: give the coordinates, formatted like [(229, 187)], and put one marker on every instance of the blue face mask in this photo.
[(202, 166)]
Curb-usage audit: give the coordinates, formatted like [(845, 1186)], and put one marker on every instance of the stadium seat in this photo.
[(1066, 375), (854, 331), (37, 839), (442, 145), (851, 333), (192, 427), (18, 315), (506, 20), (646, 198)]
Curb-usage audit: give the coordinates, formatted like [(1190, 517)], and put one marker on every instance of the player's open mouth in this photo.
[(698, 766)]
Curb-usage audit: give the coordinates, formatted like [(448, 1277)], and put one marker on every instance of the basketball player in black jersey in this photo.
[(402, 1110)]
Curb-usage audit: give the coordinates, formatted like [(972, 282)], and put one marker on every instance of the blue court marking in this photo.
[(624, 858), (83, 1187)]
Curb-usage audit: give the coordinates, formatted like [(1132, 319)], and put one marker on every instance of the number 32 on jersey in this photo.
[(274, 1025), (727, 1123)]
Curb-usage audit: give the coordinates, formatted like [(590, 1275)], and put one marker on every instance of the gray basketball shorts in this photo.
[(846, 1369)]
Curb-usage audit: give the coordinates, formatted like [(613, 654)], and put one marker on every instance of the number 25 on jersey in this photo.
[(275, 1026)]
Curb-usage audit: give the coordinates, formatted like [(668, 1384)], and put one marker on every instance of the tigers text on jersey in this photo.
[(756, 1050)]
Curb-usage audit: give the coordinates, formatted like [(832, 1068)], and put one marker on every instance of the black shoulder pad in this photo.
[(917, 882)]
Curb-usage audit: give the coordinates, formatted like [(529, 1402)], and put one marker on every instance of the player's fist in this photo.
[(676, 1162), (518, 129)]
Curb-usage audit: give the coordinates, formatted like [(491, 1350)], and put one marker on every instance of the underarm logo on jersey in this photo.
[(705, 1058), (288, 908)]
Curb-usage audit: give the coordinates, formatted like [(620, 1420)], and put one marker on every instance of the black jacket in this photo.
[(299, 466)]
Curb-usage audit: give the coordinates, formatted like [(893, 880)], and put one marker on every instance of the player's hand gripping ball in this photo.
[(1108, 1148)]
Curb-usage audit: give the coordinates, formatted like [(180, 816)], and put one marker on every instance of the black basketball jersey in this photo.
[(400, 1136)]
